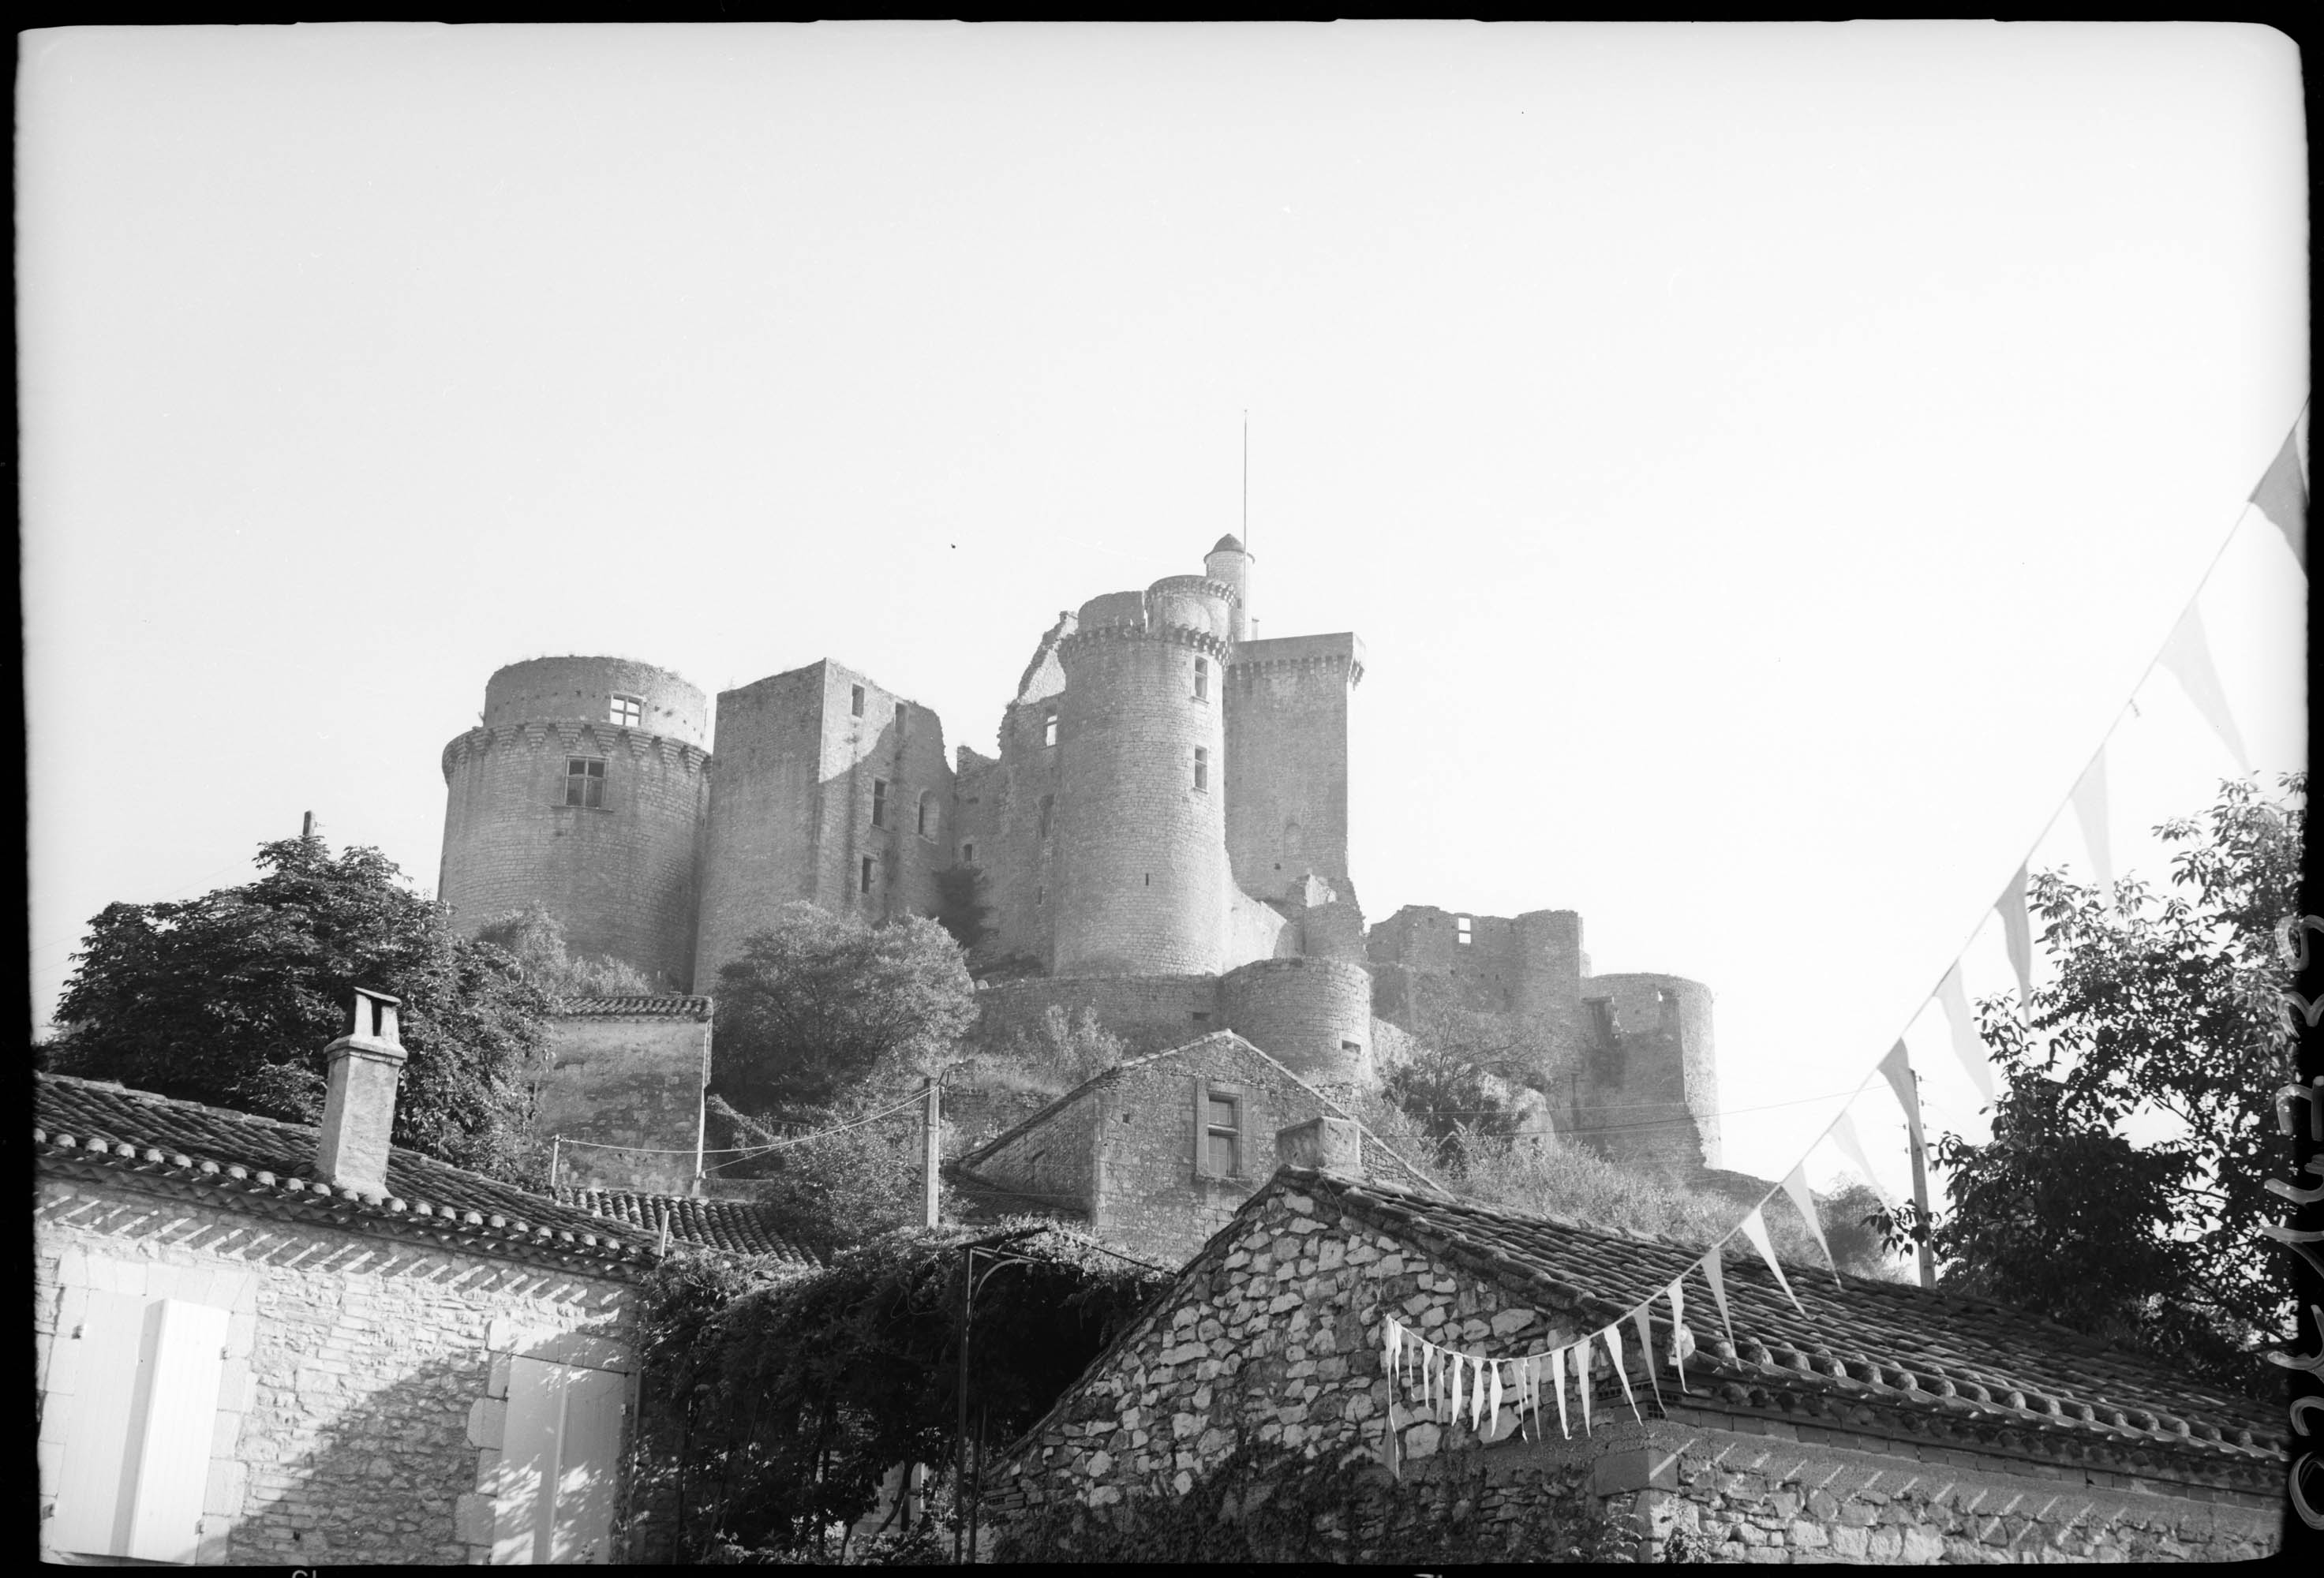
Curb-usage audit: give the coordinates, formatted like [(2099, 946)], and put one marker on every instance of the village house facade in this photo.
[(260, 1341), (1883, 1423)]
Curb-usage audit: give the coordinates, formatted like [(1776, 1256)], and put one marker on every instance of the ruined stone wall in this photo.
[(1287, 741), (1149, 1012), (1254, 930), (1273, 1337), (1313, 1015), (1008, 811), (634, 1080), (1478, 975), (766, 812), (1649, 1097), (359, 1416), (621, 875)]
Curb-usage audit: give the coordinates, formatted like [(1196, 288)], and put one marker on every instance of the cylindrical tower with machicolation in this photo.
[(1141, 856), (584, 790)]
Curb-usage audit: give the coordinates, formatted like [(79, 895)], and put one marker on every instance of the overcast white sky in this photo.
[(1760, 461)]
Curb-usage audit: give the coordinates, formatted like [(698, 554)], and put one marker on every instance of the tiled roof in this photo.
[(1866, 1339), (634, 1008), (89, 1126), (982, 1201), (738, 1227)]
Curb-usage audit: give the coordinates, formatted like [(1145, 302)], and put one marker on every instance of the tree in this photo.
[(231, 998), (2160, 1003), (817, 1004), (961, 907), (535, 940)]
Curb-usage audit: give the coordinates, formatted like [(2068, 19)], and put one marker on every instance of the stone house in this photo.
[(1158, 1152), (1883, 1423), (260, 1341), (626, 1092)]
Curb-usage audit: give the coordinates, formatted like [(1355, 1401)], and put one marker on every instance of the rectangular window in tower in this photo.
[(864, 877), (1202, 769), (855, 703), (1048, 805), (1217, 1130), (929, 815), (1461, 930), (629, 712), (585, 782), (1049, 729), (899, 714), (968, 854), (878, 802), (1201, 679)]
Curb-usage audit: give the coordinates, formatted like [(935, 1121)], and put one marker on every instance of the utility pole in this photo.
[(1923, 1253), (307, 825), (932, 1125)]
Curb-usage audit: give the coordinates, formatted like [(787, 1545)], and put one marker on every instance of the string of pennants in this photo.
[(1445, 1383)]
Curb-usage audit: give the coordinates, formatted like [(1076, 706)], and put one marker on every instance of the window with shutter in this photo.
[(560, 1446), (137, 1447)]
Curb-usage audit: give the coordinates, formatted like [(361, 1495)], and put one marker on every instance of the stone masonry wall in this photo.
[(1273, 1336), (1149, 1012), (359, 1417), (627, 1081), (1288, 702), (765, 809)]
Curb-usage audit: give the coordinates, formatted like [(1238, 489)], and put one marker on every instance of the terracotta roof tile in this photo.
[(1929, 1350), (634, 1008), (738, 1227)]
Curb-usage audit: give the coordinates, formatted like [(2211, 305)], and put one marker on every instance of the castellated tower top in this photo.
[(599, 690)]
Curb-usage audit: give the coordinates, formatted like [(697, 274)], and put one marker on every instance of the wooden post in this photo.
[(960, 1429), (932, 1124)]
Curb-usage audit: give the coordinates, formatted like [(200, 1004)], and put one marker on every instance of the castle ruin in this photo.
[(1162, 838)]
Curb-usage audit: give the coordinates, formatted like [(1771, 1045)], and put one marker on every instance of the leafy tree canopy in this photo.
[(535, 940), (2164, 1002), (231, 998), (818, 1004)]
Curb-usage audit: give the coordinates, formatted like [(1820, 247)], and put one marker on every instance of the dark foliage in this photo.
[(535, 939), (785, 1399), (961, 909), (231, 998), (2168, 1002)]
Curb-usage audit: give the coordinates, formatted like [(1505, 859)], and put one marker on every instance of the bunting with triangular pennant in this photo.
[(1966, 1045), (1754, 1227), (1613, 1339), (2091, 811), (1897, 1069), (1713, 1272), (2282, 496), (1844, 1135), (1795, 1185), (2187, 655), (2017, 934), (1677, 1292), (1638, 1318)]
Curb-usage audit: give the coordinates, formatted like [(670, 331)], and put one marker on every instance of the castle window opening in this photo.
[(1049, 729), (1048, 804), (968, 852), (878, 802), (1220, 1132), (863, 879), (1202, 769), (585, 782), (1461, 929), (629, 712), (899, 714), (1354, 1046), (929, 815), (1040, 897), (855, 705), (1201, 679)]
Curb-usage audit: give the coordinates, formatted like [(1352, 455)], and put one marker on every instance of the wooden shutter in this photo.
[(1202, 1127), (561, 1447), (137, 1453)]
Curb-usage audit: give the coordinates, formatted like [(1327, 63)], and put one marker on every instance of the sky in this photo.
[(1762, 462)]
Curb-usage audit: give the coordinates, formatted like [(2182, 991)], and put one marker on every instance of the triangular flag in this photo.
[(1897, 1068), (1394, 1340), (1429, 1365), (1795, 1185), (1843, 1134), (1715, 1273), (1754, 1228), (1677, 1291), (1582, 1378), (1452, 1396), (1613, 1335), (1476, 1392), (2017, 933), (1493, 1401), (1967, 1045), (1647, 1348), (2187, 655), (2091, 811), (1532, 1393), (2283, 496), (1557, 1383)]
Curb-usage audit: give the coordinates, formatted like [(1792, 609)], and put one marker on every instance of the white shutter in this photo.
[(91, 1494), (137, 1449), (186, 1343), (561, 1447)]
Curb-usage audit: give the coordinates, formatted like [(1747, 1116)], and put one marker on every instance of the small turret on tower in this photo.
[(1229, 562)]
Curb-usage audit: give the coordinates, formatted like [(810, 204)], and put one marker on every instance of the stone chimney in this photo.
[(359, 1115), (1335, 1144)]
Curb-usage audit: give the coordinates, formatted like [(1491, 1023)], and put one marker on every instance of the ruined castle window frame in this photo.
[(878, 802), (627, 711), (1219, 1129), (1202, 769), (864, 877), (585, 782), (1463, 930), (1048, 729), (855, 701), (929, 817), (1201, 679), (968, 852)]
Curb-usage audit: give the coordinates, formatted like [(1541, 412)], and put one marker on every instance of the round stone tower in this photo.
[(1230, 563), (1141, 852), (585, 789)]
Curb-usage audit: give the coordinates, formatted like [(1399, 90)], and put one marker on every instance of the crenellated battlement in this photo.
[(604, 739)]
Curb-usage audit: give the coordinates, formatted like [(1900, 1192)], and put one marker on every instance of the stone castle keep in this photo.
[(1162, 838)]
